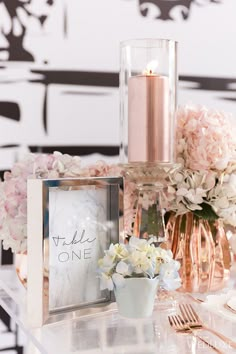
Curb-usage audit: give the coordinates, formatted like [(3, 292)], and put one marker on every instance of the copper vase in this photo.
[(21, 265), (202, 249)]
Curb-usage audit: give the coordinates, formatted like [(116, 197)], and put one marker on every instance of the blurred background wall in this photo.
[(59, 63)]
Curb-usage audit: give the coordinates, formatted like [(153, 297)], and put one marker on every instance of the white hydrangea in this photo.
[(139, 258)]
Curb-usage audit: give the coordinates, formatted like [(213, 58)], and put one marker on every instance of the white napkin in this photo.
[(215, 303)]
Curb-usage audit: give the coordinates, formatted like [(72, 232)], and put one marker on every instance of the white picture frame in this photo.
[(71, 221)]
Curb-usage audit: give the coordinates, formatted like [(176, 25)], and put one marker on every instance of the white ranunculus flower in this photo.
[(195, 196), (107, 261), (171, 190), (143, 260), (166, 255), (169, 275), (232, 185), (182, 192), (123, 268), (140, 262), (106, 282), (118, 250), (209, 180), (222, 202), (178, 177), (228, 214), (137, 243)]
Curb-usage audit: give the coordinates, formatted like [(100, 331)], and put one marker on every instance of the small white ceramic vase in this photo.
[(136, 298)]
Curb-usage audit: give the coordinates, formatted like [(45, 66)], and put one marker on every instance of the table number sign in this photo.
[(77, 237), (70, 224)]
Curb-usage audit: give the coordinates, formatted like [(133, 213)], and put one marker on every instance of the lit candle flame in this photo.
[(151, 68)]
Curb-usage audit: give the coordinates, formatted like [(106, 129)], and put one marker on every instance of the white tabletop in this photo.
[(110, 333)]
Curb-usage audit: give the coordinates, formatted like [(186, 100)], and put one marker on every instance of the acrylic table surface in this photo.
[(109, 333)]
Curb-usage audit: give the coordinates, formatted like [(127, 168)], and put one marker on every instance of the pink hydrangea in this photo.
[(13, 191), (206, 148), (205, 139)]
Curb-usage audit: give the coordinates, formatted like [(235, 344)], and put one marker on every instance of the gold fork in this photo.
[(227, 307), (177, 322), (192, 319)]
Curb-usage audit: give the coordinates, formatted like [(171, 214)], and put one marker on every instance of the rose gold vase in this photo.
[(21, 265), (202, 249)]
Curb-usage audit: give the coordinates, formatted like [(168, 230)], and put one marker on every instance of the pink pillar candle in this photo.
[(149, 122)]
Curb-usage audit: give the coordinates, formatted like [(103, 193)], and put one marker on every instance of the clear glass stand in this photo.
[(148, 180)]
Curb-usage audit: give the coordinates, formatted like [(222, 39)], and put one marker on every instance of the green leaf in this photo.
[(206, 213), (152, 220), (183, 224)]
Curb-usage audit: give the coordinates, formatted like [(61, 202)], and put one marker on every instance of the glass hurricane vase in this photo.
[(202, 249)]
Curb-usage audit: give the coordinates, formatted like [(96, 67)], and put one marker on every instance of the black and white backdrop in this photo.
[(59, 63)]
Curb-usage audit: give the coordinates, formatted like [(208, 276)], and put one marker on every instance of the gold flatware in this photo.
[(179, 325), (194, 322), (229, 308), (195, 299)]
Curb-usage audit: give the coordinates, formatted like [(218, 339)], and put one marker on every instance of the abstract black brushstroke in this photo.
[(6, 258), (165, 7), (84, 78), (209, 83), (10, 110), (5, 318), (85, 93), (77, 150), (9, 146), (229, 98), (45, 109), (15, 38)]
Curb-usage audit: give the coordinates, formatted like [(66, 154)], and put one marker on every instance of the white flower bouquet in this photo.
[(206, 149), (138, 259)]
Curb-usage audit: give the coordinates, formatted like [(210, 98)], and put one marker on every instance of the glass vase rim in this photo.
[(143, 42)]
